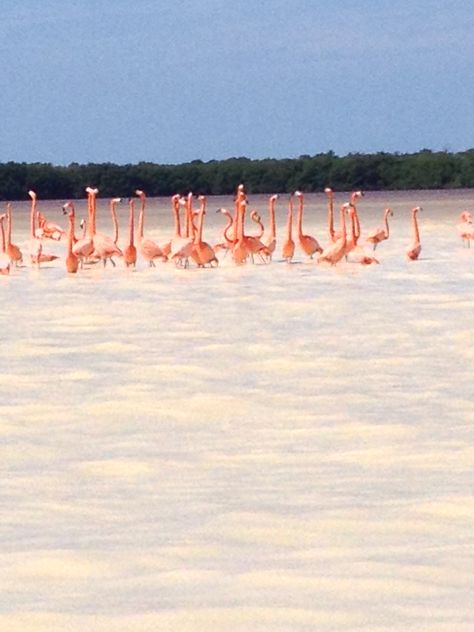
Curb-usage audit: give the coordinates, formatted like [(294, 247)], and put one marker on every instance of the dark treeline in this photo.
[(381, 171)]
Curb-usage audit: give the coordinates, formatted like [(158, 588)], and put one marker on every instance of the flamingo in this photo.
[(113, 212), (84, 247), (240, 249), (48, 230), (381, 233), (72, 261), (288, 250), (181, 247), (271, 240), (330, 196), (336, 250), (309, 245), (104, 246), (466, 228), (148, 248), (130, 252), (35, 245), (202, 252), (4, 258), (414, 252), (11, 249)]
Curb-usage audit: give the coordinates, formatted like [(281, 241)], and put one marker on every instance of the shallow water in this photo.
[(281, 447)]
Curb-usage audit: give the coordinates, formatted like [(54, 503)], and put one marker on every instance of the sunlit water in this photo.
[(269, 447)]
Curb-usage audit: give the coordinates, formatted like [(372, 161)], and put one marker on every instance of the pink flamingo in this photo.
[(104, 246), (309, 245), (288, 250), (202, 252), (130, 252), (12, 250), (414, 252), (381, 233), (240, 249), (466, 228), (181, 247), (148, 248), (48, 229), (35, 245), (336, 250), (72, 262), (330, 196), (4, 258), (271, 240)]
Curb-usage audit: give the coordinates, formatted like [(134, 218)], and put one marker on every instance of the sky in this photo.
[(170, 81)]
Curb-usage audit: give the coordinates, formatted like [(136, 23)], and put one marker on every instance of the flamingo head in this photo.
[(115, 200), (356, 195), (82, 223), (298, 194), (32, 195), (139, 193), (388, 211), (328, 191), (91, 191), (274, 197), (416, 209)]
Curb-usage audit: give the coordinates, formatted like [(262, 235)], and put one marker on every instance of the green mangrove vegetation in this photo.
[(381, 171)]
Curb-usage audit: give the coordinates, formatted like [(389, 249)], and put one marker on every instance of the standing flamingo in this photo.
[(381, 233), (72, 262), (11, 249), (240, 249), (130, 251), (35, 245), (309, 245), (414, 252), (336, 250), (202, 252), (4, 258), (330, 196), (113, 212), (271, 240), (288, 250), (181, 247), (148, 248), (104, 246)]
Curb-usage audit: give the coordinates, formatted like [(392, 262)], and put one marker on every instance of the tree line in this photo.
[(380, 171)]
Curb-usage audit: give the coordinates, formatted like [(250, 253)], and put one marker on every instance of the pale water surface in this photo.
[(281, 447)]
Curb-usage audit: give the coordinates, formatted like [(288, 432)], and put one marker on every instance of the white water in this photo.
[(282, 447)]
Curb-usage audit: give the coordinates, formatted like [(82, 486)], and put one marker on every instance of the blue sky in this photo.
[(170, 81)]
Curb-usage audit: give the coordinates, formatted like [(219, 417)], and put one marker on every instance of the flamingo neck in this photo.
[(357, 223), (331, 217), (131, 224), (114, 221), (9, 225), (70, 235), (343, 225), (300, 217), (177, 224), (416, 231), (2, 230), (289, 222), (272, 219), (230, 221), (385, 219), (33, 217)]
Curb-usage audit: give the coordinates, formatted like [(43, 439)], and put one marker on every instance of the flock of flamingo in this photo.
[(187, 243)]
